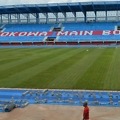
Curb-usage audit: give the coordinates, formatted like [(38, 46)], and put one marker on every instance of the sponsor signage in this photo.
[(62, 33)]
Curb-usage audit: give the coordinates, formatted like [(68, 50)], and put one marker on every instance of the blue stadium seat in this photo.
[(98, 26), (89, 27)]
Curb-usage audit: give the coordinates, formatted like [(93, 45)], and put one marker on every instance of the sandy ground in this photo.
[(49, 112)]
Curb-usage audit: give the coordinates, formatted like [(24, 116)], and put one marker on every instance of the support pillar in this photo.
[(106, 15), (85, 17), (37, 18), (18, 18)]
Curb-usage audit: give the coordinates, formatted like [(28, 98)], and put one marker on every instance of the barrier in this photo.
[(9, 107)]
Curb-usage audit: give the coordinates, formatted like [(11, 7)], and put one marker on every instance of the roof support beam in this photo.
[(68, 6), (50, 9), (39, 9), (71, 10), (17, 10), (60, 8), (81, 8), (27, 9)]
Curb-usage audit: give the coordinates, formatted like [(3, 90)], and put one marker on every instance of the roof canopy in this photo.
[(61, 7)]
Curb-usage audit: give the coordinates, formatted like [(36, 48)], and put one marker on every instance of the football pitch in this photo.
[(60, 68)]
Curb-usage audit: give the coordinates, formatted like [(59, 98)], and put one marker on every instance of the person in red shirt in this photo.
[(86, 111)]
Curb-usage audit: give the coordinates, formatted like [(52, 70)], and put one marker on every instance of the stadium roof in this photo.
[(61, 7)]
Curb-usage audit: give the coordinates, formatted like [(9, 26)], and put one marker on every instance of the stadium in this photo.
[(55, 56)]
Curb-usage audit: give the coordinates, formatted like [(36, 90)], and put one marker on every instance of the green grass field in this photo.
[(61, 68)]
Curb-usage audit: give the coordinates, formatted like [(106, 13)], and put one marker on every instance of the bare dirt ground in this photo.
[(50, 112)]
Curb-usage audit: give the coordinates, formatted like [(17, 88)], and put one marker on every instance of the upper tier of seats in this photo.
[(90, 26), (101, 26), (27, 27)]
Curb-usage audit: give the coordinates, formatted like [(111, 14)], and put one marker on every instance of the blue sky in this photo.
[(15, 2)]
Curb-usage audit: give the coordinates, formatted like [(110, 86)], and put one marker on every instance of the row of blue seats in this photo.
[(57, 92), (90, 26), (88, 38), (15, 96), (27, 27), (62, 94), (21, 39)]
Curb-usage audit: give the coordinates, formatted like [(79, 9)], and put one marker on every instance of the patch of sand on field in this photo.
[(50, 112)]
